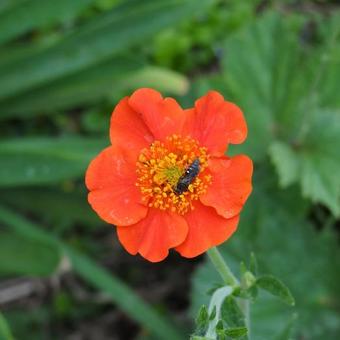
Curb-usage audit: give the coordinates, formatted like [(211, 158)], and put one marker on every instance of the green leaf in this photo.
[(202, 320), (253, 292), (45, 160), (5, 4), (27, 15), (24, 256), (243, 268), (219, 329), (212, 315), (328, 64), (271, 75), (160, 78), (236, 332), (320, 159), (215, 308), (286, 162), (47, 203), (219, 326), (286, 100), (275, 287), (253, 266), (320, 182), (5, 331), (248, 279), (246, 293), (93, 43), (273, 225), (97, 276), (85, 87), (239, 292), (231, 313), (316, 161), (263, 62)]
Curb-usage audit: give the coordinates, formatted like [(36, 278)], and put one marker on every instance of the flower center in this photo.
[(171, 174)]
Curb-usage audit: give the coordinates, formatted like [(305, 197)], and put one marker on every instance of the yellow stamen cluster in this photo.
[(160, 167)]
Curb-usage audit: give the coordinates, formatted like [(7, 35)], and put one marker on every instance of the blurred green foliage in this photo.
[(64, 65)]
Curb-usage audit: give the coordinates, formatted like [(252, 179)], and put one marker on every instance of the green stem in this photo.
[(222, 267), (229, 279), (244, 305)]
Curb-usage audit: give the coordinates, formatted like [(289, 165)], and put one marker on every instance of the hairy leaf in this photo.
[(316, 161), (275, 287), (290, 248)]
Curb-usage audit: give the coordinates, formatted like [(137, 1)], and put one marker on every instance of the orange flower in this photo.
[(165, 181)]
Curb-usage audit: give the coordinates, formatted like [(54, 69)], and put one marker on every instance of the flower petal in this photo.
[(163, 117), (206, 229), (231, 184), (111, 179), (215, 123), (153, 236), (128, 128)]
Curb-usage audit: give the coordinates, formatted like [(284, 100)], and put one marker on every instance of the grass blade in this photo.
[(26, 15), (94, 43), (5, 332), (94, 84), (25, 256), (28, 161), (97, 276)]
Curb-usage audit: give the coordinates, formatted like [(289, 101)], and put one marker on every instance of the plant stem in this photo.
[(244, 305), (229, 279), (222, 267)]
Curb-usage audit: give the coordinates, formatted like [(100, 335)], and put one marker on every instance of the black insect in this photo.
[(188, 177)]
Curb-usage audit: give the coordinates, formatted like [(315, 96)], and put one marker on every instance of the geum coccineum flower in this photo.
[(165, 181)]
